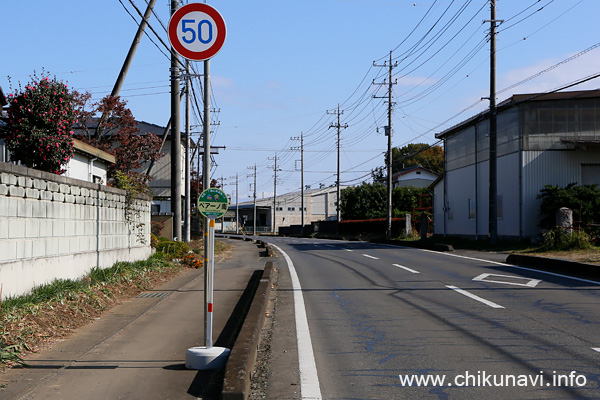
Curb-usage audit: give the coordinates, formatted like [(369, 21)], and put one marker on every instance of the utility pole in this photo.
[(133, 49), (338, 126), (493, 206), (274, 193), (388, 133), (254, 196), (187, 232), (237, 229), (301, 148), (175, 140)]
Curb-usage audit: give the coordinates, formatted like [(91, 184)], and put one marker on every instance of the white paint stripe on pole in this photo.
[(406, 268), (475, 297), (368, 256), (309, 379)]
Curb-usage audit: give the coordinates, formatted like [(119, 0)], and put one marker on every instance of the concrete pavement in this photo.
[(137, 349)]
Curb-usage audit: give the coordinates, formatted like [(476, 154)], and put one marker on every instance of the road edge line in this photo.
[(309, 379)]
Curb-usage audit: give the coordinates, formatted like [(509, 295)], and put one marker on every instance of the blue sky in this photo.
[(286, 63)]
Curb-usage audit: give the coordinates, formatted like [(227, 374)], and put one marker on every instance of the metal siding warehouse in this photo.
[(543, 139)]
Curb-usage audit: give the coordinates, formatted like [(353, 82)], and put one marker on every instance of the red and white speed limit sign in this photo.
[(197, 31)]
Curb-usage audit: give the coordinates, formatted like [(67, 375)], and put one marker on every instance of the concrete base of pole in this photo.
[(201, 358)]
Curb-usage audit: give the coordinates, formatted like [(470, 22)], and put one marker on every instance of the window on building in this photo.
[(472, 209), (291, 208)]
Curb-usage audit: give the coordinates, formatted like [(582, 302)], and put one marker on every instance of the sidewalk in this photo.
[(137, 350)]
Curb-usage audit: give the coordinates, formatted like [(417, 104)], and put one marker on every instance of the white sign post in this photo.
[(212, 203), (197, 32)]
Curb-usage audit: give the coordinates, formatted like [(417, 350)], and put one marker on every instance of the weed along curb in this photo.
[(236, 384)]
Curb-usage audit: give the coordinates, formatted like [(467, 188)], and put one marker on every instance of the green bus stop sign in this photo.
[(213, 203)]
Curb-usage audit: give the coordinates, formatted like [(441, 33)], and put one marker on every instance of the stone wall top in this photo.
[(22, 171)]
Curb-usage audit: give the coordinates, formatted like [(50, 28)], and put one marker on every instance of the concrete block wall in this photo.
[(53, 227)]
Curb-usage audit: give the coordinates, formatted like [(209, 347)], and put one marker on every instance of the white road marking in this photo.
[(596, 349), (368, 256), (406, 268), (348, 249), (475, 297), (309, 379), (485, 278), (514, 266)]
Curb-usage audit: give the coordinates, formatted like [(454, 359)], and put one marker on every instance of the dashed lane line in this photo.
[(406, 268)]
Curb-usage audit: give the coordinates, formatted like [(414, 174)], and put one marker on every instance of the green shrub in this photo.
[(561, 239), (583, 200), (172, 249)]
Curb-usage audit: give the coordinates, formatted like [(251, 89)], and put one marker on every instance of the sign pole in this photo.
[(209, 274), (197, 32), (206, 182), (212, 204)]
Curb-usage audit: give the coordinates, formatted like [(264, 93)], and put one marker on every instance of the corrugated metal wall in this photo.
[(549, 168)]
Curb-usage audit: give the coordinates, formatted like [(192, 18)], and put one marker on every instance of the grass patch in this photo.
[(52, 310)]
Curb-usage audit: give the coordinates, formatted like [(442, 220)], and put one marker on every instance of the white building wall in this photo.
[(483, 196), (438, 208), (460, 187), (82, 167), (466, 184), (508, 188)]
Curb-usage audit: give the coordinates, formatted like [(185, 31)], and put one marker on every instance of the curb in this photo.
[(566, 267), (417, 244), (236, 383)]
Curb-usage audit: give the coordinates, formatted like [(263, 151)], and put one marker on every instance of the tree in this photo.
[(110, 126), (40, 118), (583, 200), (369, 201), (430, 157)]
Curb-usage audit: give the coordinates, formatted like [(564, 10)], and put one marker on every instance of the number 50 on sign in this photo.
[(197, 31)]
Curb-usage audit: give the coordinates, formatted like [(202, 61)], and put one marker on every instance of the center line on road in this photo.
[(406, 268), (475, 297), (368, 256)]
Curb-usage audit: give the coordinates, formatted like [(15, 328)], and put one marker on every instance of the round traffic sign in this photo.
[(213, 203), (197, 31)]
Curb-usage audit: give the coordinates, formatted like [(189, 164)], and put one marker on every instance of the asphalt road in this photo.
[(380, 316)]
